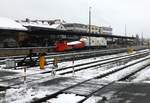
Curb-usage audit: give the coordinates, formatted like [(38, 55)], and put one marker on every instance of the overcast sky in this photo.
[(115, 13)]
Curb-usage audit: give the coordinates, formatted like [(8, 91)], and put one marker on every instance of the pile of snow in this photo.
[(9, 24)]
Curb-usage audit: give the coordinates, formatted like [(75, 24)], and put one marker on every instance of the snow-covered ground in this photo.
[(27, 93), (142, 75), (66, 98), (118, 75), (33, 70)]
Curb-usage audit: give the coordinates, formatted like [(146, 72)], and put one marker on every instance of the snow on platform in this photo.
[(9, 24)]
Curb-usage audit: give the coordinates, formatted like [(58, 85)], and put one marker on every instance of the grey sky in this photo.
[(134, 13)]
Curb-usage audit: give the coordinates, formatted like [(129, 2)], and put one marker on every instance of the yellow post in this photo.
[(42, 62), (130, 49)]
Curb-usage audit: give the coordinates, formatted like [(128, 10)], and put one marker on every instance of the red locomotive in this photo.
[(61, 46)]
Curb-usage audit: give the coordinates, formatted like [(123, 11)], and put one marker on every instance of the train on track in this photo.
[(83, 43)]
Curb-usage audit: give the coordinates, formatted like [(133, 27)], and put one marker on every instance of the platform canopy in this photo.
[(8, 24)]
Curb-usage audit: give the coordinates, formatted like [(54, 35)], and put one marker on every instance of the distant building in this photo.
[(137, 39), (62, 25), (94, 29), (75, 27), (100, 30), (105, 30)]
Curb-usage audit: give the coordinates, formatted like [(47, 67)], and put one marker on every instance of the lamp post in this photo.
[(89, 25)]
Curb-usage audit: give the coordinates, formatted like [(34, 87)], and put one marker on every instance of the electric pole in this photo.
[(90, 25), (125, 30)]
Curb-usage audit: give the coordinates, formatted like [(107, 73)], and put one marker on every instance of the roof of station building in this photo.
[(9, 24)]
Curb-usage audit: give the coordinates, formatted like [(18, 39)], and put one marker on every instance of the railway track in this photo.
[(71, 56), (119, 79), (23, 51), (63, 53), (79, 67), (89, 65), (68, 56), (75, 88), (16, 81), (14, 52), (129, 77)]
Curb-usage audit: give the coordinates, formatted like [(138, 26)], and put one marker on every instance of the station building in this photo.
[(69, 27), (85, 28), (94, 29), (105, 30), (75, 27)]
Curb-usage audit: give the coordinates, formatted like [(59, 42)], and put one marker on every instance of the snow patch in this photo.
[(66, 98), (93, 99), (143, 75)]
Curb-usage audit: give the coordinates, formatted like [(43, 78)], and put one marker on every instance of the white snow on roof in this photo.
[(55, 26), (42, 25), (35, 24), (6, 23)]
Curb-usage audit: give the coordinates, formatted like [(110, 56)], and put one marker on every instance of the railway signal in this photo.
[(24, 75), (73, 72), (55, 65)]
